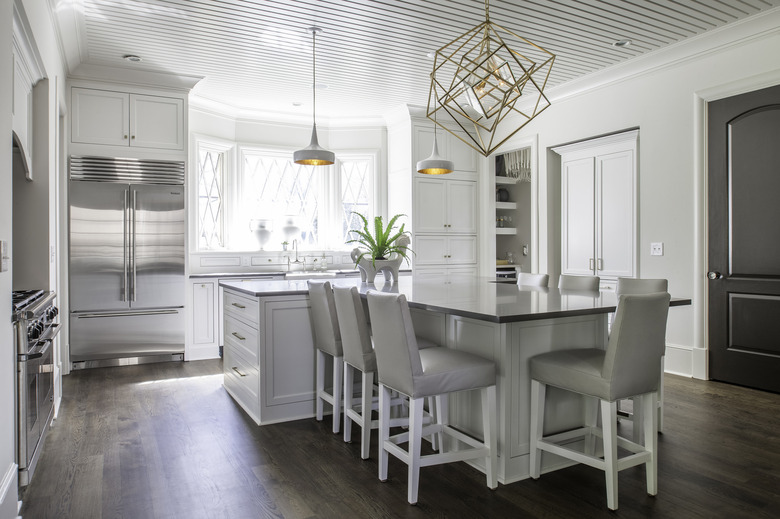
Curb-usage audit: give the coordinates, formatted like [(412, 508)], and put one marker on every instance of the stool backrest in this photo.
[(327, 336), (397, 355), (640, 286), (355, 337), (569, 282), (532, 280), (632, 363)]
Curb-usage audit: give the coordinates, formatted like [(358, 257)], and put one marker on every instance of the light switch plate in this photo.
[(4, 256), (657, 248)]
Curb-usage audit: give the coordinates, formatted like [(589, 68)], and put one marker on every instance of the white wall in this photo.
[(8, 473), (664, 103)]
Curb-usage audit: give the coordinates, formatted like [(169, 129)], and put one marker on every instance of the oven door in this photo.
[(35, 398)]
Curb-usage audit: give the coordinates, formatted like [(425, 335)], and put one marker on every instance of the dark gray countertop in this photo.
[(477, 298)]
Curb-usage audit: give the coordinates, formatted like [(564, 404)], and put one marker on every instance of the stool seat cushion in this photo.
[(575, 370), (447, 371)]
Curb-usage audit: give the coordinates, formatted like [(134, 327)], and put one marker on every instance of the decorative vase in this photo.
[(388, 267)]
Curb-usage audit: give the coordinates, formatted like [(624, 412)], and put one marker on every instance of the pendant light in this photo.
[(313, 154), (435, 164)]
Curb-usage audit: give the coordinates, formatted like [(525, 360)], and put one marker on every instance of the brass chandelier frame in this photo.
[(479, 80)]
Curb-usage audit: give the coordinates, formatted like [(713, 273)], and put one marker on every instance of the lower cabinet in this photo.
[(269, 356), (204, 330)]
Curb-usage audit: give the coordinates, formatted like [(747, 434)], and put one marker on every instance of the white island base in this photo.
[(269, 358)]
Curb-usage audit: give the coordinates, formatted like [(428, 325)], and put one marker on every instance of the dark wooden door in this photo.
[(744, 239)]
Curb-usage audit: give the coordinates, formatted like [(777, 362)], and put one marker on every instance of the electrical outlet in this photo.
[(525, 249), (657, 249)]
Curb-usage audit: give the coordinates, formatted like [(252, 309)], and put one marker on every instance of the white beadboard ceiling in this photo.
[(256, 54)]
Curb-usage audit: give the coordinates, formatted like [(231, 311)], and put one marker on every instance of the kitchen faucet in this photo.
[(296, 261)]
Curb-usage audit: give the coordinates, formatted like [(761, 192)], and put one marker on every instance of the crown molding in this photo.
[(139, 78)]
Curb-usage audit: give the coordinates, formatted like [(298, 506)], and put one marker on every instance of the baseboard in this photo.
[(679, 360), (9, 492)]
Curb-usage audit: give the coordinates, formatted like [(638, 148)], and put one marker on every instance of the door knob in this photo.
[(714, 275)]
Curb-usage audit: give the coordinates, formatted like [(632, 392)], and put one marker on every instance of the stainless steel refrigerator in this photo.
[(126, 287)]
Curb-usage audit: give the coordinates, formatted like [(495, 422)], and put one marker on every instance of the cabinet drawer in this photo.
[(242, 338), (242, 307), (242, 379)]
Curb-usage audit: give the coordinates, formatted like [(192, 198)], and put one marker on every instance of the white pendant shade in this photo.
[(313, 154), (435, 164)]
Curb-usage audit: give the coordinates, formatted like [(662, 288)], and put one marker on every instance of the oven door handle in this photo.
[(38, 354)]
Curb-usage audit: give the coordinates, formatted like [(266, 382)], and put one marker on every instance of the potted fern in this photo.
[(381, 249)]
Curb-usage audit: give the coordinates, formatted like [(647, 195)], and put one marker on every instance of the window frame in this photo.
[(227, 149)]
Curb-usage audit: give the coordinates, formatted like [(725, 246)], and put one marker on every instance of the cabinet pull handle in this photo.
[(237, 336), (601, 264), (234, 368), (238, 305), (590, 263)]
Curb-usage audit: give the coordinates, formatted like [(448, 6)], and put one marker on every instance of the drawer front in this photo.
[(242, 338), (242, 378), (244, 308)]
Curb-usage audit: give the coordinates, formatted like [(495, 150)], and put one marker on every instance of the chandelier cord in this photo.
[(314, 77)]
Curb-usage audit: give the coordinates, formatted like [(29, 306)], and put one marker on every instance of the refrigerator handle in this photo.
[(132, 250), (125, 245)]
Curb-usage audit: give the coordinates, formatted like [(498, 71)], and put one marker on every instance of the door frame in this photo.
[(700, 351)]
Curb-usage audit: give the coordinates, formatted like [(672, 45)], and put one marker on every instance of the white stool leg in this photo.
[(661, 397), (415, 440), (384, 429), (349, 373), (489, 426), (365, 414), (609, 424), (320, 381), (637, 419), (338, 381), (431, 400), (538, 391), (591, 421), (651, 441), (442, 418)]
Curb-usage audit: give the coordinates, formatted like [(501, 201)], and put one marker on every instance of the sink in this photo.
[(309, 275)]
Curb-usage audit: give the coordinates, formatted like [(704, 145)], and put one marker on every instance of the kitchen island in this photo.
[(269, 352)]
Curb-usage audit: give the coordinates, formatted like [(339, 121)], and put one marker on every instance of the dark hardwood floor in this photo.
[(166, 441)]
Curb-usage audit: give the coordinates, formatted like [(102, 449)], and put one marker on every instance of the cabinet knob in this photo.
[(124, 137), (133, 137)]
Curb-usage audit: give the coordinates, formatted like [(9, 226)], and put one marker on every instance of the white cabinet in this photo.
[(598, 188), (451, 147), (204, 322), (123, 119), (445, 250), (445, 206), (269, 356), (445, 275)]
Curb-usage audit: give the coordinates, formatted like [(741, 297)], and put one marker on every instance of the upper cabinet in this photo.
[(445, 206), (450, 147), (598, 188), (122, 119)]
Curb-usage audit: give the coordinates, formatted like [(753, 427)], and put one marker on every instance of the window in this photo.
[(210, 205), (265, 189)]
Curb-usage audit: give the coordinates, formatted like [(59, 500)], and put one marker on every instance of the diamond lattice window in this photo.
[(211, 165), (276, 188), (354, 194)]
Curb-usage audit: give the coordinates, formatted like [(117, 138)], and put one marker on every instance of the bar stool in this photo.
[(644, 286), (327, 341), (532, 280), (629, 367), (570, 282), (359, 355), (420, 373)]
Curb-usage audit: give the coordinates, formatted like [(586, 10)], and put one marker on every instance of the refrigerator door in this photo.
[(134, 333), (99, 236), (157, 246)]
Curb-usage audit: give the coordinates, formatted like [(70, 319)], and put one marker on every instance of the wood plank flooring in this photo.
[(166, 441)]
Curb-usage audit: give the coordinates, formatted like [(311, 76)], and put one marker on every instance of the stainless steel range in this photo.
[(35, 327)]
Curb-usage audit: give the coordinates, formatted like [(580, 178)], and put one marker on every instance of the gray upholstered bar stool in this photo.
[(645, 286), (420, 373), (628, 368), (569, 282), (327, 341), (359, 355), (532, 280)]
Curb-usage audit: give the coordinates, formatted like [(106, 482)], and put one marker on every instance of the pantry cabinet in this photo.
[(114, 118), (598, 188)]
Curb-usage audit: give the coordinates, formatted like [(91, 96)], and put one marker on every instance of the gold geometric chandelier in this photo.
[(483, 77)]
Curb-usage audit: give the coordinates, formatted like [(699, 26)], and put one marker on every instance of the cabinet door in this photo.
[(462, 250), (430, 205), (203, 314), (422, 143), (463, 155), (156, 122), (430, 250), (615, 221), (461, 206), (100, 117), (578, 226)]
